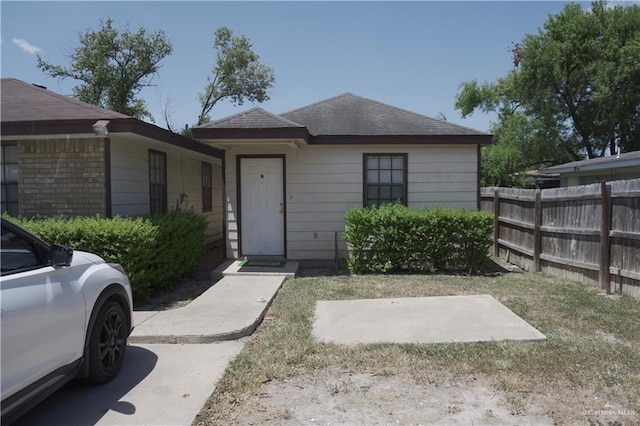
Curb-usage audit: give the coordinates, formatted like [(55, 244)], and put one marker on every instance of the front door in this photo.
[(262, 206)]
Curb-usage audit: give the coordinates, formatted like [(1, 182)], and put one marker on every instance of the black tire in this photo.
[(107, 343)]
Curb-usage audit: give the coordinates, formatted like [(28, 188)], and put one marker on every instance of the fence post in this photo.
[(605, 243), (537, 233), (496, 222)]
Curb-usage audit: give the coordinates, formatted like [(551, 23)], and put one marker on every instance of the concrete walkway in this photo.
[(159, 384), (230, 309)]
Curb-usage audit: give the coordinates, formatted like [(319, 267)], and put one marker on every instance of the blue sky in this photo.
[(413, 55)]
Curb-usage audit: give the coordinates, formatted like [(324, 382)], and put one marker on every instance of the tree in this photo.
[(574, 91), (238, 74), (113, 66), (584, 71), (520, 141)]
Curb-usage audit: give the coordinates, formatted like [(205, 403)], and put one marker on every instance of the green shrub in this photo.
[(393, 238), (178, 247), (156, 251)]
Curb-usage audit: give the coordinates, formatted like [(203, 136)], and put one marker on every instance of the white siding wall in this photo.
[(322, 182), (130, 180)]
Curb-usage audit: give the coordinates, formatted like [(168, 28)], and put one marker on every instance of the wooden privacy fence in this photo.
[(588, 233)]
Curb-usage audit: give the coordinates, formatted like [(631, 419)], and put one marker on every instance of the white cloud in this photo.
[(26, 46)]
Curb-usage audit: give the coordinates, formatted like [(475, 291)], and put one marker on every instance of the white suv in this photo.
[(64, 315)]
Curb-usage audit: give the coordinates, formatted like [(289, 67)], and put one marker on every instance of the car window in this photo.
[(17, 253)]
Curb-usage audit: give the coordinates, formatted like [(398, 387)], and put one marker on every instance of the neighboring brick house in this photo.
[(63, 157)]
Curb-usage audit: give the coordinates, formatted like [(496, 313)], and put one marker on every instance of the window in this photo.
[(9, 194), (207, 198), (17, 254), (157, 181), (385, 179)]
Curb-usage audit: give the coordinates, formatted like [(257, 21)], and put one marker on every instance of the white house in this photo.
[(289, 178)]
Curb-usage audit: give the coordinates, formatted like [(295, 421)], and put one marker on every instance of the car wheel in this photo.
[(107, 344)]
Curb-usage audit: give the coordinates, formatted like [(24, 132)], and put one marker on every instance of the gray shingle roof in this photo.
[(24, 102), (255, 118), (348, 114), (345, 119), (29, 110)]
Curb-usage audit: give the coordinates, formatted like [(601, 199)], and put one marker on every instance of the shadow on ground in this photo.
[(79, 404)]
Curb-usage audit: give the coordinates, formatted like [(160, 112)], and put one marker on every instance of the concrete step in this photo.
[(235, 267)]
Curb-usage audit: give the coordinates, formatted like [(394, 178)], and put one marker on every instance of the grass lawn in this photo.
[(587, 372)]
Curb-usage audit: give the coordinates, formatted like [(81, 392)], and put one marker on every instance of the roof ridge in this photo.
[(279, 117), (318, 103), (259, 110), (66, 98)]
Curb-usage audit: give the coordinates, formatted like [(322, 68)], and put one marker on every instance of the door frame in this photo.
[(283, 157)]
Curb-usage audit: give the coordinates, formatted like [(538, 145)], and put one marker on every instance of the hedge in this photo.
[(156, 251), (394, 238)]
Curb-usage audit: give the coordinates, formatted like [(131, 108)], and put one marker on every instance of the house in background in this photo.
[(63, 157), (585, 172), (289, 178)]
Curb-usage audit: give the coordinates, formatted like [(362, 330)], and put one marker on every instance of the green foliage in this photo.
[(574, 92), (178, 246), (502, 166), (519, 146), (521, 141), (113, 67), (583, 70), (238, 74), (156, 251), (393, 238)]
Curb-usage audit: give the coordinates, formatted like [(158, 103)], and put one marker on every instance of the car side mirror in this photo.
[(61, 255)]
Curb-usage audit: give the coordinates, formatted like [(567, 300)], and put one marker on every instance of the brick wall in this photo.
[(62, 177)]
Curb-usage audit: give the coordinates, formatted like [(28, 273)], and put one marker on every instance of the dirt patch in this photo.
[(180, 295), (332, 397)]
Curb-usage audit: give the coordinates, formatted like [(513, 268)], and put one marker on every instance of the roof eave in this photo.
[(46, 127), (483, 139), (231, 143), (229, 134), (84, 128)]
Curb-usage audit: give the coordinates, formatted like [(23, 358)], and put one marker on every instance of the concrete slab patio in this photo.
[(445, 319)]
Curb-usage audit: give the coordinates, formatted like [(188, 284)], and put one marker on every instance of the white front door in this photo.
[(262, 206)]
